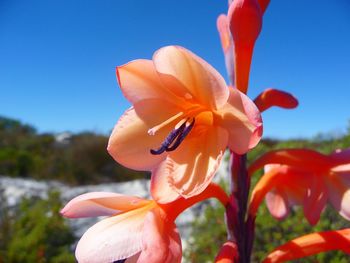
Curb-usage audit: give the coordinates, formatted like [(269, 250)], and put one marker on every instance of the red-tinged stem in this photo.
[(243, 230), (178, 206), (250, 227)]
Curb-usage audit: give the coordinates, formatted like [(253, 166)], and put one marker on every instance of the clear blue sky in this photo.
[(58, 58)]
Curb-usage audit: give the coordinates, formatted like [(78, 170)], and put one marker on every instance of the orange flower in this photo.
[(137, 230), (134, 229), (311, 244), (303, 177), (183, 118)]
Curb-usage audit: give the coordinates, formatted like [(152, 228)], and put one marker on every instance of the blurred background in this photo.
[(60, 101)]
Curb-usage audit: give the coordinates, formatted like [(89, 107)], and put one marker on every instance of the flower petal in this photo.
[(339, 192), (101, 204), (161, 190), (311, 160), (228, 253), (139, 80), (315, 199), (341, 169), (130, 142), (240, 117), (190, 76), (192, 166), (161, 242), (266, 183), (341, 156), (277, 203), (311, 244), (273, 97), (114, 238), (132, 259)]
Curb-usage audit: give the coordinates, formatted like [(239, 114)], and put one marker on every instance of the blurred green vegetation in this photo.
[(208, 230), (82, 159), (35, 232)]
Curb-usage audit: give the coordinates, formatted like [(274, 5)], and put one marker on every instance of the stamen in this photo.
[(192, 111), (181, 136), (175, 138), (153, 130), (169, 139)]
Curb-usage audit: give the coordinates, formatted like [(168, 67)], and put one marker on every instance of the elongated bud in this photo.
[(274, 97), (245, 22)]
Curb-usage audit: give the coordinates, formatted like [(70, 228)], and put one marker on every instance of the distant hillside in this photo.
[(82, 158), (71, 158)]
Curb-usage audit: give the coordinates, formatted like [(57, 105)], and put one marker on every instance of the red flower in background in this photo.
[(303, 177)]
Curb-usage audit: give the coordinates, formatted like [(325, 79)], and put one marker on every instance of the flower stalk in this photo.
[(244, 228)]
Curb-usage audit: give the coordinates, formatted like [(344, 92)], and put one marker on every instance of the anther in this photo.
[(169, 139), (181, 137), (174, 139)]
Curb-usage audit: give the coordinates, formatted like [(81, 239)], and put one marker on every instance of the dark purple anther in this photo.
[(169, 140), (181, 137), (176, 136)]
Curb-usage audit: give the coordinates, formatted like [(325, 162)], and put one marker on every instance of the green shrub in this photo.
[(35, 232)]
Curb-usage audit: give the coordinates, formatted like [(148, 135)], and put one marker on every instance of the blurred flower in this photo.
[(228, 253), (183, 118), (311, 244), (137, 230), (303, 177)]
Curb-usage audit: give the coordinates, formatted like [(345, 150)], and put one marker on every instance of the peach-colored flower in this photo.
[(183, 118), (303, 177), (311, 244), (137, 230)]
